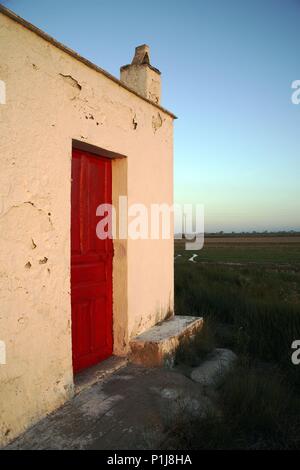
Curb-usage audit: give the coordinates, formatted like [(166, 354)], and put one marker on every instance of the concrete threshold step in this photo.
[(99, 372), (156, 347)]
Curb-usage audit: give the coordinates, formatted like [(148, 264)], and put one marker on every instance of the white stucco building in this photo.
[(73, 136)]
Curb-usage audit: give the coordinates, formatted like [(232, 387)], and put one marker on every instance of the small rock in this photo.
[(170, 393), (212, 371)]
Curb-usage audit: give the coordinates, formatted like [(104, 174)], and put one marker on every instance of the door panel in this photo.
[(91, 261)]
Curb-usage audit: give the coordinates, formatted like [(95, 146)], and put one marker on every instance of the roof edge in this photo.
[(75, 55)]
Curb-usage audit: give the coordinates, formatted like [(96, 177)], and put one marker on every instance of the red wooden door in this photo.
[(91, 261)]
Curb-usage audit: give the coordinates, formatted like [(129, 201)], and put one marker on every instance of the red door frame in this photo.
[(91, 261)]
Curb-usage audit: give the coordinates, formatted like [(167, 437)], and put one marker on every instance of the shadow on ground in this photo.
[(132, 409)]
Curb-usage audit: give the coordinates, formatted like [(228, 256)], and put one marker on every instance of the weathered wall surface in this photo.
[(51, 99)]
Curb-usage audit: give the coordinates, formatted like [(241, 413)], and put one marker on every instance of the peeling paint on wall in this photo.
[(134, 122), (73, 84), (71, 81), (156, 121)]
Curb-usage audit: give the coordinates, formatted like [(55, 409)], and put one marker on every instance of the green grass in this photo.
[(191, 352), (256, 410), (262, 306), (257, 309)]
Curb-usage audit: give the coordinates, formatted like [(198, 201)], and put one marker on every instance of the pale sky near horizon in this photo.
[(227, 69)]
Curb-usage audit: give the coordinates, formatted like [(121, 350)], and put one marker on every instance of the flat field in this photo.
[(259, 250)]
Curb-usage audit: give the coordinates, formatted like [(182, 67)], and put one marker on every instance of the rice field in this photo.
[(244, 250)]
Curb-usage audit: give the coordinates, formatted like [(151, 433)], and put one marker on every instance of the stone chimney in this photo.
[(141, 76)]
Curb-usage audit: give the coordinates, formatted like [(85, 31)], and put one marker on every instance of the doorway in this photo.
[(91, 261)]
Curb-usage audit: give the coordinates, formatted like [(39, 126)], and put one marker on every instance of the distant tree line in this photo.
[(254, 233)]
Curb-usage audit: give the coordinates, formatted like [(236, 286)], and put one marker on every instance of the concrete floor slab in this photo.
[(131, 409)]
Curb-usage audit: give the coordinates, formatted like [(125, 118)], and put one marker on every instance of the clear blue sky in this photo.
[(227, 68)]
